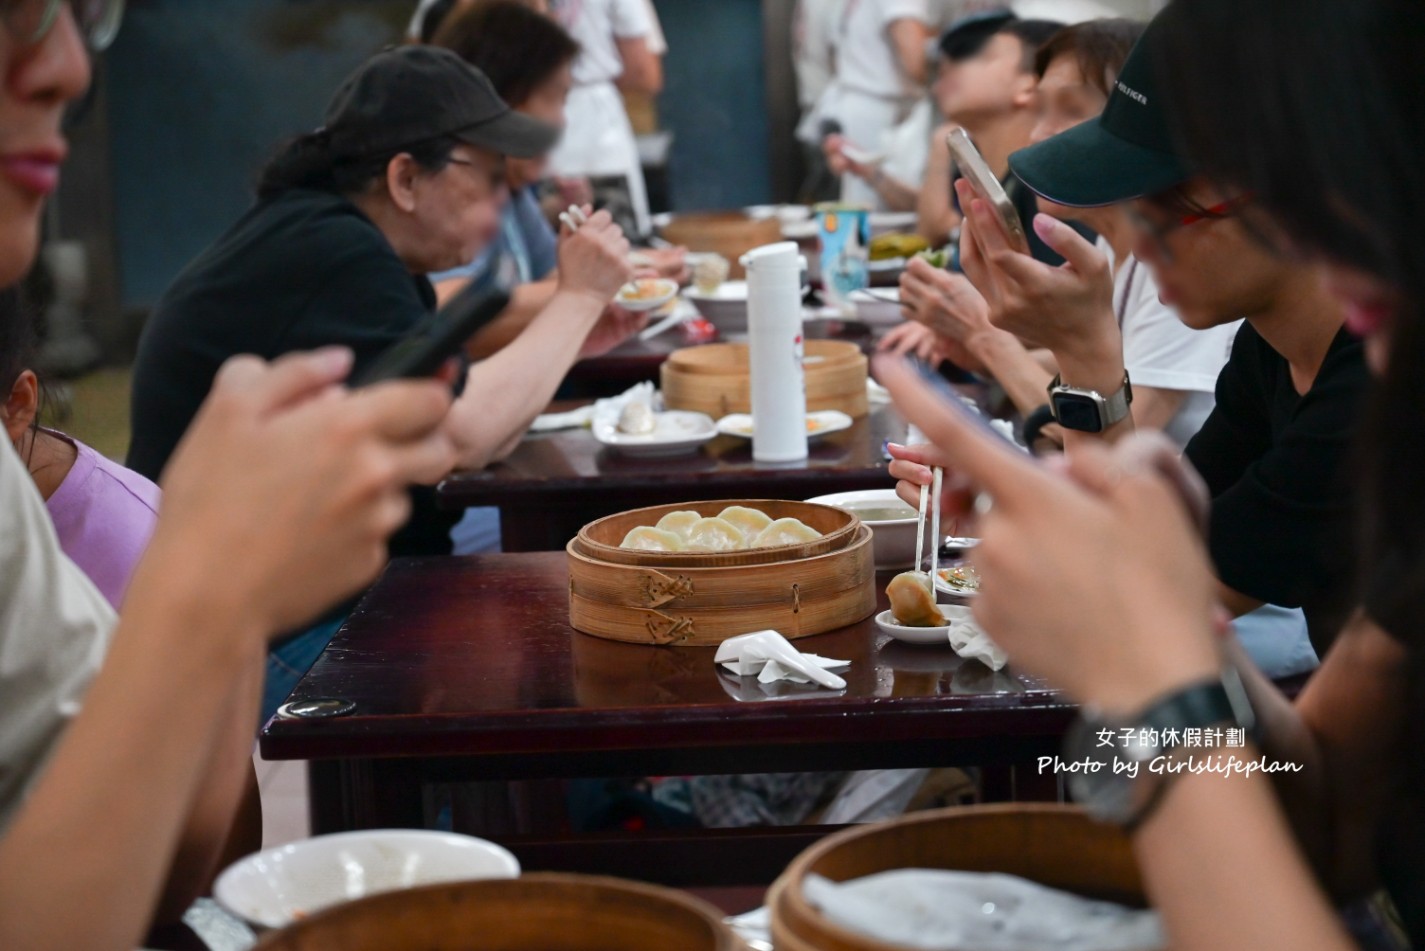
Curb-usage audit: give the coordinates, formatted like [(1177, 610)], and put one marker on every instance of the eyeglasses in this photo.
[(30, 21), (1159, 230)]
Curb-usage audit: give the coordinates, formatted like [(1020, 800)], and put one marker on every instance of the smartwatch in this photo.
[(1125, 779), (1089, 411)]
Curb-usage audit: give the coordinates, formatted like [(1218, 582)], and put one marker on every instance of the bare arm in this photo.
[(908, 37), (108, 814), (505, 392), (642, 68), (937, 213), (225, 780)]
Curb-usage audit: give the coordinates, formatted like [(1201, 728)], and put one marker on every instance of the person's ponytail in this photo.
[(304, 162)]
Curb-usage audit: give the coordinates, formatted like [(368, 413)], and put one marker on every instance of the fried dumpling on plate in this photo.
[(679, 523), (913, 600), (786, 531), (748, 521), (648, 538), (715, 534)]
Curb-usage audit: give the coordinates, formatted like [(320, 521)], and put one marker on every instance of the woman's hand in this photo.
[(1093, 573), (279, 500), (945, 302), (1068, 309), (831, 149), (594, 260), (914, 339)]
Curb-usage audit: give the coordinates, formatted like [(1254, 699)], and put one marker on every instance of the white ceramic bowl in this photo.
[(892, 542), (725, 308), (274, 888), (880, 307)]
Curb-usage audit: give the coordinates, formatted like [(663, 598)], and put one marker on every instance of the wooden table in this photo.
[(554, 483), (466, 669)]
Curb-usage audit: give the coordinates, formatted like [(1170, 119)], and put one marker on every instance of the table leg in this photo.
[(345, 795)]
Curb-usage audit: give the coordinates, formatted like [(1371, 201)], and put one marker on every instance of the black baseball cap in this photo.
[(1126, 152), (407, 95)]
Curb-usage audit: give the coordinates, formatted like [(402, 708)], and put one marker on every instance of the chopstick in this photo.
[(666, 324), (938, 482), (920, 531)]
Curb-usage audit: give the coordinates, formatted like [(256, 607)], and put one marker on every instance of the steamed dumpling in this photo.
[(786, 531), (679, 523), (913, 600), (715, 534), (749, 522), (647, 538)]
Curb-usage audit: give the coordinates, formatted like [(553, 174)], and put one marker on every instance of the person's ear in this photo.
[(1026, 91), (401, 175), (22, 405)]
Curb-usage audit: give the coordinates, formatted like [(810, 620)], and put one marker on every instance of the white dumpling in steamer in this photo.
[(749, 522), (648, 538), (715, 534), (680, 523), (786, 531)]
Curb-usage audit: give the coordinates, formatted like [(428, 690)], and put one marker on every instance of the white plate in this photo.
[(942, 586), (913, 635), (826, 422), (667, 290), (800, 230), (279, 886), (675, 432)]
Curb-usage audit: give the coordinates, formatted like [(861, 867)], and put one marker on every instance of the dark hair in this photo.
[(434, 17), (968, 35), (19, 336), (517, 47), (1031, 34), (308, 162), (1317, 108), (1098, 47)]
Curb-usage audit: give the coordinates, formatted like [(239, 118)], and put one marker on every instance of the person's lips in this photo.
[(35, 171)]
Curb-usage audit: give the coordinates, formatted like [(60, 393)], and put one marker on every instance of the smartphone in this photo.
[(421, 355), (972, 166)]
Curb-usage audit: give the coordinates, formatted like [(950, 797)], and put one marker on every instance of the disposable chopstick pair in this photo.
[(574, 217), (926, 492)]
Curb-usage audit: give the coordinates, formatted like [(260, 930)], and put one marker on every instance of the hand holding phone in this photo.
[(974, 170)]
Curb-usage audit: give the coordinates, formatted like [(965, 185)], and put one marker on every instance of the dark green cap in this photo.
[(1125, 153)]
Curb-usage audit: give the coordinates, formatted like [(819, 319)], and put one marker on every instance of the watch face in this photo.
[(1079, 413)]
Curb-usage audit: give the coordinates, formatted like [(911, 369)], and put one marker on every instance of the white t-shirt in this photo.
[(598, 25), (54, 630), (866, 62), (813, 47), (1160, 351)]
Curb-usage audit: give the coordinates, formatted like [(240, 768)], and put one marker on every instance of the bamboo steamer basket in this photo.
[(729, 233), (600, 539), (546, 912), (1055, 845), (716, 378), (702, 607)]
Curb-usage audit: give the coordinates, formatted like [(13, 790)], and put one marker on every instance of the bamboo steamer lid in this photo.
[(544, 912), (1055, 845), (695, 606), (728, 233), (715, 379)]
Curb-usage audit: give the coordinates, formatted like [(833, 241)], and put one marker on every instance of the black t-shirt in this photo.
[(1277, 464), (302, 270)]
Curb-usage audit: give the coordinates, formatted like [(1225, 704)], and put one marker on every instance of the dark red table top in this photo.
[(475, 657), (547, 467)]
